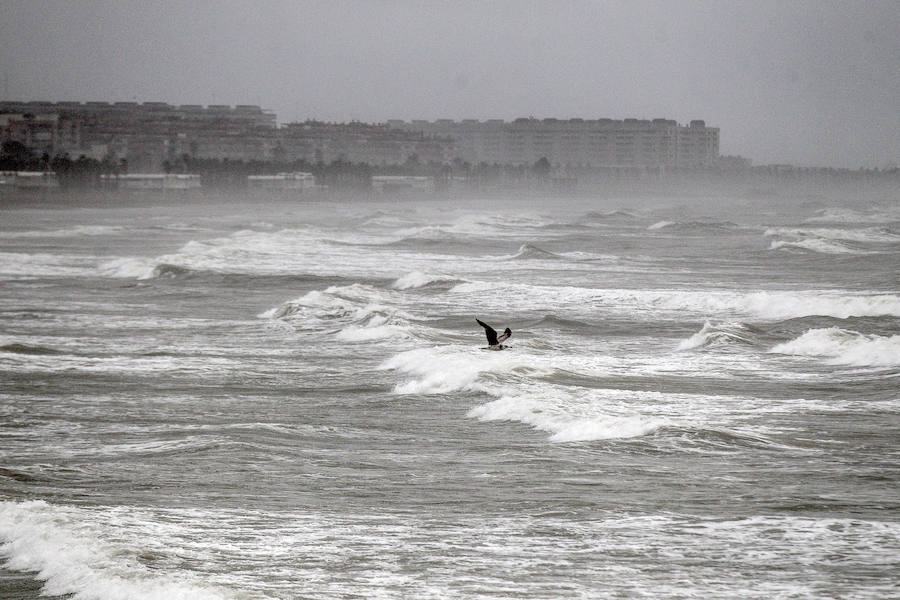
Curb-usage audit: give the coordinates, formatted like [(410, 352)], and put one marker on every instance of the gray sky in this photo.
[(808, 83)]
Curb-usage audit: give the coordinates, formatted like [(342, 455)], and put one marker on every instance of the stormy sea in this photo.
[(276, 399)]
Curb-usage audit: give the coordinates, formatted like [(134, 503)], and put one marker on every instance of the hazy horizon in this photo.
[(806, 83)]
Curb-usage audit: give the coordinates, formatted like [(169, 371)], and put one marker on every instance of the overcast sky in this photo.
[(807, 83)]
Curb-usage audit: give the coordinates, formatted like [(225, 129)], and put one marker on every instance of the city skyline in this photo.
[(807, 83)]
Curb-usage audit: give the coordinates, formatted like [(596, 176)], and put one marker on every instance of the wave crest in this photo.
[(721, 334), (418, 279), (530, 251), (844, 347), (562, 426), (63, 545), (360, 312)]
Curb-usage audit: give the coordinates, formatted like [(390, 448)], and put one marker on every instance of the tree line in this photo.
[(80, 172)]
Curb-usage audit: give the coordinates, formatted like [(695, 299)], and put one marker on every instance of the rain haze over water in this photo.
[(213, 394), (807, 83)]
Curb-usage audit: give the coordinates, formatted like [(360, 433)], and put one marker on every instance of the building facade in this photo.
[(146, 135), (152, 136), (576, 142)]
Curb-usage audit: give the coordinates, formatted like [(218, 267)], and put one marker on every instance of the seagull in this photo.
[(494, 342)]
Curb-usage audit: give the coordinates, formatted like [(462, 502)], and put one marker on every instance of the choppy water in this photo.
[(702, 399)]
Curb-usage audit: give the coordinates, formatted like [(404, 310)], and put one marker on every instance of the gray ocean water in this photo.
[(285, 400)]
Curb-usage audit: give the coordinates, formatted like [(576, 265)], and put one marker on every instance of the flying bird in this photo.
[(494, 342)]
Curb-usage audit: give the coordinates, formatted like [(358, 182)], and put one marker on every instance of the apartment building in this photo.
[(575, 142)]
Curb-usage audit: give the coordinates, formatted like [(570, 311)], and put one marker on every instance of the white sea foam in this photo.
[(723, 304), (40, 264), (418, 279), (128, 267), (844, 347), (850, 216), (820, 245), (442, 370), (868, 234), (377, 327), (362, 313), (660, 225), (714, 334), (563, 425), (62, 545)]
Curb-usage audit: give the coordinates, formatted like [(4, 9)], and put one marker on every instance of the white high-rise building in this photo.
[(576, 142)]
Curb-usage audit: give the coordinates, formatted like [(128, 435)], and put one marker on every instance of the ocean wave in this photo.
[(695, 226), (557, 321), (17, 348), (844, 347), (565, 426), (613, 215), (357, 301), (376, 327), (40, 264), (63, 545), (723, 439), (772, 305), (867, 235), (850, 216), (168, 270), (129, 267), (471, 226), (829, 240), (361, 313), (660, 225), (443, 370), (75, 231), (819, 245), (719, 334), (522, 386), (418, 279), (532, 252)]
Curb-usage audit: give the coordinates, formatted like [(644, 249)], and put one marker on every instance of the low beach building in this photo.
[(153, 181), (298, 181)]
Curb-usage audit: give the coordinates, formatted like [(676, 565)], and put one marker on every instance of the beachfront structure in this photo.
[(145, 134), (149, 135), (153, 181), (576, 142), (298, 181), (28, 179), (402, 183)]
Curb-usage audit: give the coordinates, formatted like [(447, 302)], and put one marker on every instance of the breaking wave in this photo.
[(772, 305), (565, 426), (695, 226), (128, 268), (820, 245), (868, 235), (443, 370), (844, 347), (850, 216), (361, 313), (660, 225), (39, 264), (63, 546), (613, 215), (530, 251), (721, 334), (829, 240), (418, 279), (514, 379)]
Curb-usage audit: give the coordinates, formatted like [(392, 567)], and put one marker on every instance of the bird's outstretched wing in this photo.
[(489, 332)]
